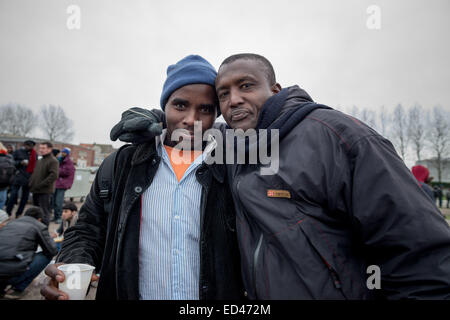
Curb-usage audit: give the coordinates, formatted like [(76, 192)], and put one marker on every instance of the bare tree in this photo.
[(400, 130), (56, 125), (354, 112), (384, 121), (7, 119), (368, 117), (439, 136), (416, 129), (16, 119)]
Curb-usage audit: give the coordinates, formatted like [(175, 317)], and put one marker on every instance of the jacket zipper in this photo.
[(205, 191), (258, 246), (255, 262), (336, 281)]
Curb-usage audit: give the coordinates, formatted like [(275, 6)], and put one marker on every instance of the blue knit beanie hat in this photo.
[(192, 69)]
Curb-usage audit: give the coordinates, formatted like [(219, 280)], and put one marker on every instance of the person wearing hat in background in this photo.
[(25, 159), (63, 183), (170, 231), (7, 170), (422, 174), (55, 152)]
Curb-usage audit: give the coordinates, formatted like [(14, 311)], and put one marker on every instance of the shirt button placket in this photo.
[(175, 255)]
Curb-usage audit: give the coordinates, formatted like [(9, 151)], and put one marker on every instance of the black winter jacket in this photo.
[(341, 201), (22, 176), (110, 240), (19, 240), (7, 171)]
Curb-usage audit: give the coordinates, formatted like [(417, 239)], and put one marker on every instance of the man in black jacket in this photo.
[(25, 159), (7, 171), (19, 262), (170, 229), (340, 216)]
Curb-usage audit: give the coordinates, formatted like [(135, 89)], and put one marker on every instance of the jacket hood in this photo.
[(296, 96), (286, 109), (280, 103)]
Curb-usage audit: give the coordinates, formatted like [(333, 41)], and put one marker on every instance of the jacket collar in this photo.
[(147, 151), (144, 152), (284, 110)]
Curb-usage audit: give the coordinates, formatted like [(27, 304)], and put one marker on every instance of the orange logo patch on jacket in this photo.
[(278, 194)]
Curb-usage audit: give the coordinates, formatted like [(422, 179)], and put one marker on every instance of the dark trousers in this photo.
[(58, 202), (21, 282), (3, 195), (14, 194), (42, 200)]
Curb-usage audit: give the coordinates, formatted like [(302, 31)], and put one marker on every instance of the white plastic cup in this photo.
[(77, 279)]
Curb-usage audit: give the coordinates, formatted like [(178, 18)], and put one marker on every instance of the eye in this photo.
[(246, 85), (222, 95), (180, 106), (206, 110)]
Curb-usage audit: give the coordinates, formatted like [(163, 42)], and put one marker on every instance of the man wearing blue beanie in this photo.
[(192, 69), (170, 226)]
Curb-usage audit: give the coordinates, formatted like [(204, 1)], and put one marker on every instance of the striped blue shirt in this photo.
[(169, 251)]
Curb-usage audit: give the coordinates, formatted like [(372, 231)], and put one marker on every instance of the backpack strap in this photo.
[(107, 178)]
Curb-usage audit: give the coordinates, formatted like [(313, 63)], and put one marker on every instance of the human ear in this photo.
[(275, 88)]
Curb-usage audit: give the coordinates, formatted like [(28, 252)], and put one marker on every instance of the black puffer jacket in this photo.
[(19, 240), (342, 200), (22, 176), (7, 171), (110, 241)]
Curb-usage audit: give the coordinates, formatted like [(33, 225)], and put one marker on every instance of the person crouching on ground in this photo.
[(19, 262)]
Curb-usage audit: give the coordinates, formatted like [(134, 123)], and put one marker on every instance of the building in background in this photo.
[(101, 151), (81, 156)]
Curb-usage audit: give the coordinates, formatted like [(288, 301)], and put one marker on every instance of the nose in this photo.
[(235, 98), (190, 117)]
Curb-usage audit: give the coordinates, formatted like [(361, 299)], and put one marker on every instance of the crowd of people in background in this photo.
[(26, 244), (438, 194), (422, 175)]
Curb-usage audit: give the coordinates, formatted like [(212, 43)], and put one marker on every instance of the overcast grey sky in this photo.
[(118, 58)]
